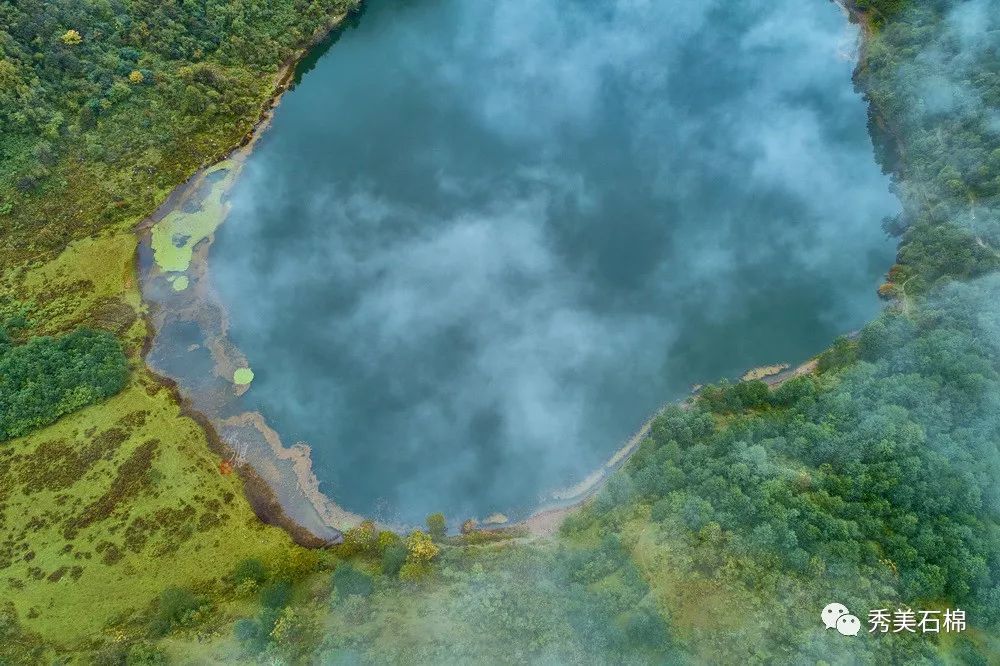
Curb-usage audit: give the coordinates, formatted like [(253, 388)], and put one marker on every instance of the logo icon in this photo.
[(832, 613), (848, 625)]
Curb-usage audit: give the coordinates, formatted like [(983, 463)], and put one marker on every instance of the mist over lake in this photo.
[(482, 242)]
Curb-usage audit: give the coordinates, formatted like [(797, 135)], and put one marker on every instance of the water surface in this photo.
[(483, 241)]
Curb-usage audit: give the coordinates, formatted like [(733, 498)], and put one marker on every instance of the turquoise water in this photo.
[(482, 241)]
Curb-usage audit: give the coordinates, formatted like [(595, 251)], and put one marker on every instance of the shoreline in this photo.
[(545, 520), (261, 491)]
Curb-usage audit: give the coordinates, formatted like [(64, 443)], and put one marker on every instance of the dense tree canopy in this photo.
[(930, 73), (106, 104), (880, 484), (47, 377), (876, 481)]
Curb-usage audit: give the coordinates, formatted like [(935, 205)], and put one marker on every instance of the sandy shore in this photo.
[(545, 522)]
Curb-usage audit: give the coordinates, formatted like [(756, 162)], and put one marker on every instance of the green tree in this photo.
[(348, 580), (250, 569), (393, 559), (175, 605), (71, 37), (46, 377), (436, 526)]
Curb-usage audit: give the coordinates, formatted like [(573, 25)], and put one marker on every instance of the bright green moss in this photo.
[(243, 376)]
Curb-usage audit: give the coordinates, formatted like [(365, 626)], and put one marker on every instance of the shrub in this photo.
[(420, 548), (437, 526), (393, 559), (145, 654), (362, 539), (247, 630), (842, 353), (793, 390), (348, 580), (752, 394), (412, 571), (276, 595), (250, 569), (296, 564), (175, 604), (386, 539), (297, 633)]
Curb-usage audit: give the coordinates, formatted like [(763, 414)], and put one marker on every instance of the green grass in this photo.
[(104, 508), (90, 282)]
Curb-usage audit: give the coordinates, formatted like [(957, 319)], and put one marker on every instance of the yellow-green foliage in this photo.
[(699, 588), (71, 37), (87, 144), (102, 510), (361, 539), (89, 283), (420, 547)]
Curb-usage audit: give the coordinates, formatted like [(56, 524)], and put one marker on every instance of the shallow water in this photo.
[(483, 241)]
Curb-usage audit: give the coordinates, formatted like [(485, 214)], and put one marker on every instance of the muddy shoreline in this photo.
[(258, 489)]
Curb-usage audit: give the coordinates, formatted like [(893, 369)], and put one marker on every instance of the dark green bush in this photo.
[(250, 569), (348, 580), (247, 630), (393, 559), (842, 353), (46, 377), (276, 594), (174, 604)]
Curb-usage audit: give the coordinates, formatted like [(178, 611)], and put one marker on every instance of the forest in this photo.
[(106, 105), (46, 377), (874, 480)]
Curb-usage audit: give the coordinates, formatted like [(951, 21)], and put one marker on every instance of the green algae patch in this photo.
[(243, 376), (180, 283), (174, 237)]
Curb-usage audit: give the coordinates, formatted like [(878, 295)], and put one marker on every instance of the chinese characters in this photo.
[(881, 620)]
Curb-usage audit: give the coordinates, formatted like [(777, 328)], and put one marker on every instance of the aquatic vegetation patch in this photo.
[(123, 490), (243, 376), (175, 236)]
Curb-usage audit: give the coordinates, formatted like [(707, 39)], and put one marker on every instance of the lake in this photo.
[(482, 242)]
